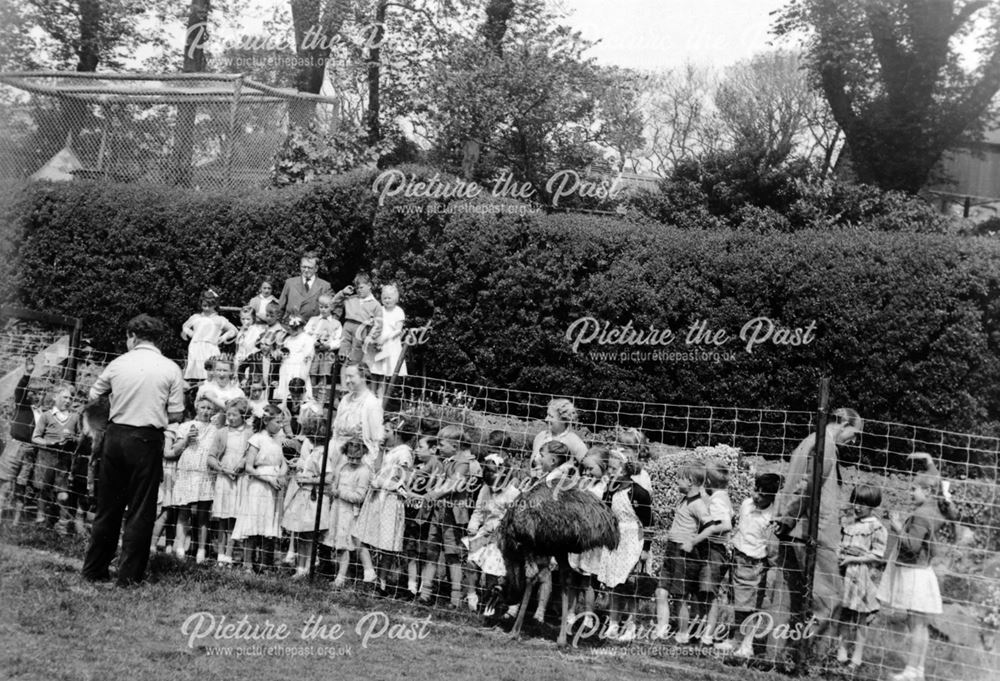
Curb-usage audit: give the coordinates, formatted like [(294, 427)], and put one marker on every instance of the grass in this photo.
[(55, 626)]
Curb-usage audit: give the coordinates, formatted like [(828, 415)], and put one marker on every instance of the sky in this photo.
[(656, 34)]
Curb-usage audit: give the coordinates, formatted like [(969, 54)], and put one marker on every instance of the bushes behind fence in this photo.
[(907, 324)]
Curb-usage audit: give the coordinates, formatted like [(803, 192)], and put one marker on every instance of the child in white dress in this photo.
[(297, 351), (388, 343), (302, 497), (246, 344), (227, 460), (383, 516), (259, 519), (349, 489), (194, 486), (498, 492), (206, 330)]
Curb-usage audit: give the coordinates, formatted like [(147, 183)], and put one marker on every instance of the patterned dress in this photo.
[(356, 413), (859, 590), (194, 481), (301, 499), (260, 509), (233, 445), (617, 564), (383, 516), (484, 550), (352, 485)]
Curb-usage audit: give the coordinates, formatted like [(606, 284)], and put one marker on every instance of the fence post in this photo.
[(231, 147), (331, 381), (819, 450)]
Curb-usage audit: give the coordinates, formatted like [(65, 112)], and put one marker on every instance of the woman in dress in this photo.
[(561, 418), (359, 414)]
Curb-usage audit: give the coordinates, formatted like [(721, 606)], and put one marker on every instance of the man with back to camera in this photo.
[(147, 393)]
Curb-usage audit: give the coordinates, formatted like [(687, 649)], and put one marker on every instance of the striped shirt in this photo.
[(144, 386)]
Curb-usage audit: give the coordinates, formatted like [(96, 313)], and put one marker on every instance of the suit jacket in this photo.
[(295, 299)]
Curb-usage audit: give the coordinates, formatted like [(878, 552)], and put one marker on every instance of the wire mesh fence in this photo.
[(245, 497), (193, 130)]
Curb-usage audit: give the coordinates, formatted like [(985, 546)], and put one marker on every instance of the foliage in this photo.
[(894, 78), (907, 324), (309, 154), (732, 189), (664, 473)]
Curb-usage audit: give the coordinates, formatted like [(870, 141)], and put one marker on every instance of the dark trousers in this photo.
[(131, 469)]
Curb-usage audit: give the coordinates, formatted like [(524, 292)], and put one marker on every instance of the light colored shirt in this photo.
[(690, 515), (750, 536), (144, 386), (720, 509)]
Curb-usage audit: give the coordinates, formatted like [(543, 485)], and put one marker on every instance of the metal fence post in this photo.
[(819, 451)]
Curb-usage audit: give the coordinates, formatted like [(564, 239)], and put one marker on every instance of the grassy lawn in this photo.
[(55, 626)]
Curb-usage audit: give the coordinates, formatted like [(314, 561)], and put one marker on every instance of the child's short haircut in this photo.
[(867, 495), (693, 472), (429, 438), (716, 475), (240, 404), (248, 309), (327, 297), (498, 439), (453, 432), (768, 484), (557, 449), (362, 278)]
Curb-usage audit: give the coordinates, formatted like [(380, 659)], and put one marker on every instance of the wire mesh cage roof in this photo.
[(201, 130)]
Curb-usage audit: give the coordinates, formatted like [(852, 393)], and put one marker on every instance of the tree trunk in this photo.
[(315, 30), (88, 56), (374, 55), (194, 62)]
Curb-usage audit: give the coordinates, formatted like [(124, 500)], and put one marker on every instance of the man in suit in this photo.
[(300, 295)]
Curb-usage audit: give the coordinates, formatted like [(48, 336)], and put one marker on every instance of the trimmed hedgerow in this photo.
[(906, 324)]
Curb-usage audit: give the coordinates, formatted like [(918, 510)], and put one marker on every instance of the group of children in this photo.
[(251, 471), (276, 350), (46, 459)]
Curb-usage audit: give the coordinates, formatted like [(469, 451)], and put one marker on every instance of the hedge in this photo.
[(907, 324)]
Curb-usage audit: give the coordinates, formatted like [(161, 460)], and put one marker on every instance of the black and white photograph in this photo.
[(500, 339)]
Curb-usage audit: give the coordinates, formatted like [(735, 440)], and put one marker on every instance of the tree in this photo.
[(89, 33), (894, 78), (765, 105), (679, 119), (317, 24)]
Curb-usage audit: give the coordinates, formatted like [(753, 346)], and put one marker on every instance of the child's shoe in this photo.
[(682, 638), (908, 674), (842, 654), (200, 557), (612, 632), (473, 601), (628, 633), (725, 647)]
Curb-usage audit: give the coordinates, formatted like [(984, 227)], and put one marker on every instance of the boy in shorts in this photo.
[(681, 570)]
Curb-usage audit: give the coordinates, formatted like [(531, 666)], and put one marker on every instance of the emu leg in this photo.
[(529, 586), (565, 588)]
